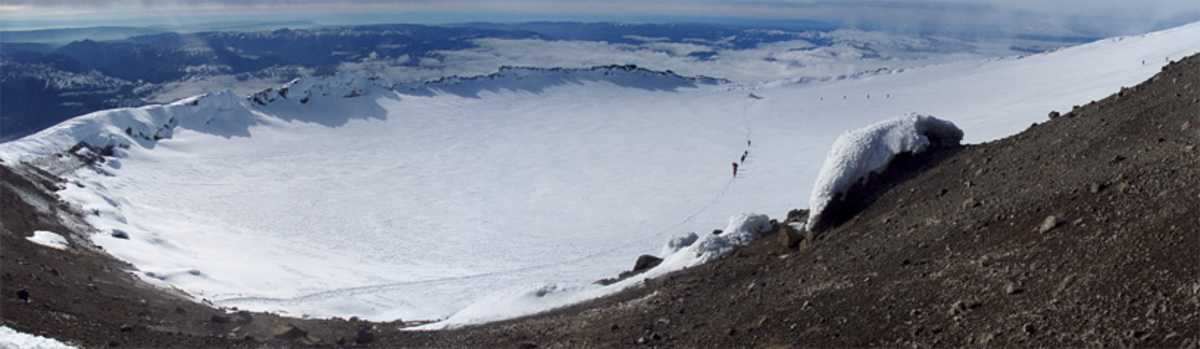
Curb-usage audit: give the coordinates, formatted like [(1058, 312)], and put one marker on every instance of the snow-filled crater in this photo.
[(352, 197)]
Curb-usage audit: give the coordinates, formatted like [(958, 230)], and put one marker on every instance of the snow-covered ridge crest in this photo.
[(536, 80), (343, 84), (858, 153), (328, 100), (107, 131)]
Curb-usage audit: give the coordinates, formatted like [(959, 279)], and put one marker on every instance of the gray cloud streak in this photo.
[(1058, 17)]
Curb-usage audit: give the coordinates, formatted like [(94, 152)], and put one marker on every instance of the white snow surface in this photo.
[(448, 202), (858, 153), (48, 239), (12, 339)]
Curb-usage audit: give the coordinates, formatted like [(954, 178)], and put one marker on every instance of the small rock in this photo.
[(985, 338), (789, 237), (288, 332), (1012, 288), (1049, 224), (219, 319), (1054, 115), (1095, 187), (529, 345), (798, 216), (1029, 329), (120, 234), (960, 307), (970, 203), (645, 262), (365, 335), (717, 231), (243, 317), (126, 328), (23, 295)]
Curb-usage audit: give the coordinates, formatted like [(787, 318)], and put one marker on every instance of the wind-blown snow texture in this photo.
[(348, 198), (857, 154)]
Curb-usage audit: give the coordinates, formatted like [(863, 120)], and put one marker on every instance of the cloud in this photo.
[(1059, 17)]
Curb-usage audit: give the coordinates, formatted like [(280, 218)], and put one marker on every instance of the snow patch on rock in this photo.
[(857, 154), (742, 229), (10, 338), (48, 239)]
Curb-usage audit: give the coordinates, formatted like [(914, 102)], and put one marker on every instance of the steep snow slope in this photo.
[(362, 201)]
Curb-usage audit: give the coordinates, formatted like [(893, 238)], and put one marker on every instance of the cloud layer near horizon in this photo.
[(1060, 17)]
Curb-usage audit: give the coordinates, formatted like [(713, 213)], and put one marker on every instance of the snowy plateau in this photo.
[(481, 198)]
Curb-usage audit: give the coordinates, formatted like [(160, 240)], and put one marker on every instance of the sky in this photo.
[(1093, 18)]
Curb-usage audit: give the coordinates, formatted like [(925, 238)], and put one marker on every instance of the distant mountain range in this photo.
[(51, 75)]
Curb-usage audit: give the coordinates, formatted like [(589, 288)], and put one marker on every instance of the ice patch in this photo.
[(861, 152), (48, 239), (10, 338)]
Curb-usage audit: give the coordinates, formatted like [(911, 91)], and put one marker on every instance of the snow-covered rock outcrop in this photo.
[(694, 249), (107, 131), (857, 154)]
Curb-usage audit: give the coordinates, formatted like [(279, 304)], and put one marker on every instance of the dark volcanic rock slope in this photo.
[(1080, 231)]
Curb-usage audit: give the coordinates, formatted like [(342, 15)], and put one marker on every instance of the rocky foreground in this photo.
[(1080, 231)]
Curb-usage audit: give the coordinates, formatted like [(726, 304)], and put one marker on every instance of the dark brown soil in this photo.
[(953, 255)]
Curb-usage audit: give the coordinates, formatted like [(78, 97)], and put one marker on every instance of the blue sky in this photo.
[(1058, 17)]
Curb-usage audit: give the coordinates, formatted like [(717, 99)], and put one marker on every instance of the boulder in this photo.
[(790, 235), (645, 262), (364, 335), (797, 216)]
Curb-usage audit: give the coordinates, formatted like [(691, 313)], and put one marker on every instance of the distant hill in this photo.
[(67, 35)]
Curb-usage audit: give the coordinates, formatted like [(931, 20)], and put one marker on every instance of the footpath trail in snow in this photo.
[(387, 205)]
